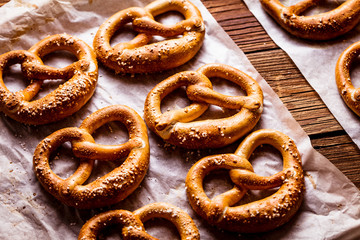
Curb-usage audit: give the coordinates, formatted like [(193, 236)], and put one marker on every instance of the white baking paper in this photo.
[(331, 206), (316, 60)]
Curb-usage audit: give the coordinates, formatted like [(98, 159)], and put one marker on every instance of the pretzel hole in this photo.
[(13, 78), (111, 133), (255, 195), (226, 87), (323, 7), (320, 7), (161, 228), (125, 34), (175, 100), (102, 168), (216, 112), (217, 182), (63, 162), (57, 59), (266, 160), (168, 19), (355, 72), (110, 232), (47, 87)]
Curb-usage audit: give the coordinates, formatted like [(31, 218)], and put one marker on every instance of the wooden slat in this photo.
[(298, 96)]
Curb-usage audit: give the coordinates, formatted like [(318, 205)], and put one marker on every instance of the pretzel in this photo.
[(132, 223), (176, 127), (349, 93), (137, 56), (323, 26), (262, 215), (68, 98), (110, 188)]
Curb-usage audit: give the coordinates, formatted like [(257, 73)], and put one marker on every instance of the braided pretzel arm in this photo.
[(175, 126), (110, 188), (162, 123), (134, 124), (86, 63), (349, 93), (9, 102), (193, 20), (62, 102), (261, 215), (132, 223), (213, 210), (137, 56), (321, 26), (253, 100)]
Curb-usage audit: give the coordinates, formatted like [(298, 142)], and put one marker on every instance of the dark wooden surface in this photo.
[(326, 135)]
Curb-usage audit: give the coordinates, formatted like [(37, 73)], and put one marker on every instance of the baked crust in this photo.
[(323, 26), (140, 56)]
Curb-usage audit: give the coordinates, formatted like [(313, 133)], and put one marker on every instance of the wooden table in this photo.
[(326, 135)]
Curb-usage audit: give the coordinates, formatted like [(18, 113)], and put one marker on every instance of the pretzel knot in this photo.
[(68, 98), (132, 223), (349, 93), (258, 216), (112, 187), (137, 56), (176, 127), (321, 26)]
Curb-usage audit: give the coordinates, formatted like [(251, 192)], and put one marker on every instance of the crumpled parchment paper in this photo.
[(331, 206), (316, 60)]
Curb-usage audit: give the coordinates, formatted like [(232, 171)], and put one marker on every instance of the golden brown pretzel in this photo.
[(137, 56), (349, 93), (321, 26), (110, 188), (258, 216), (132, 223), (127, 221), (175, 126), (62, 102)]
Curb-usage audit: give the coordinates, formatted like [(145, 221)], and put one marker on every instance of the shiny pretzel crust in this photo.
[(67, 99), (259, 216), (177, 126), (322, 26), (125, 219), (110, 188), (137, 56), (348, 92), (132, 223)]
